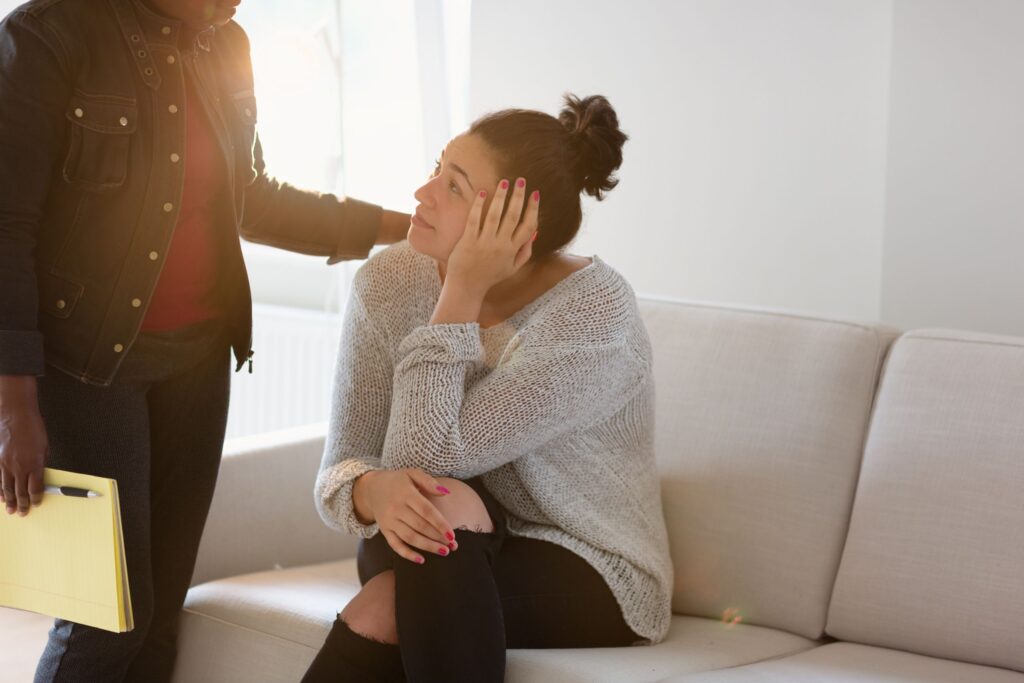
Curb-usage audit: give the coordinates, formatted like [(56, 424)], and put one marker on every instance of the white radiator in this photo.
[(293, 366)]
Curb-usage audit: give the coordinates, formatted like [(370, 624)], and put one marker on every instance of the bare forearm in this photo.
[(18, 391), (393, 227), (457, 304)]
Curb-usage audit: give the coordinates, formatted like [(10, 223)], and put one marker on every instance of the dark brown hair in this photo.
[(577, 152)]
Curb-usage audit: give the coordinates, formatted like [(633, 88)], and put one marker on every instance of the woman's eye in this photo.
[(452, 187)]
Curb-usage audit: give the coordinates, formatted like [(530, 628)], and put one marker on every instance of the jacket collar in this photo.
[(142, 27)]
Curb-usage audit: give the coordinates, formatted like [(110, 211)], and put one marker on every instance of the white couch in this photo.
[(844, 504)]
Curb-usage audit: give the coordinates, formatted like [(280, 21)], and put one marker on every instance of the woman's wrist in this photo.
[(457, 304), (360, 498)]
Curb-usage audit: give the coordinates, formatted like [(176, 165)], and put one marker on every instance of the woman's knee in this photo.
[(463, 508), (371, 613)]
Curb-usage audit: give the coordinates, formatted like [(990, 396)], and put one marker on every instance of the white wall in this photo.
[(954, 241), (755, 170)]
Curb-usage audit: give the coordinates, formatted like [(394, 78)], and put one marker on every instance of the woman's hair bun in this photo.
[(594, 128)]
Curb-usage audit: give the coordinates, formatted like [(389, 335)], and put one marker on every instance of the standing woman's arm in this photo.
[(35, 88)]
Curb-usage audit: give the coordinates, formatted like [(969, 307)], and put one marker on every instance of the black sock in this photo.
[(348, 656)]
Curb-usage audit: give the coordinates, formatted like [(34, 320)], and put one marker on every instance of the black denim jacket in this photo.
[(92, 138)]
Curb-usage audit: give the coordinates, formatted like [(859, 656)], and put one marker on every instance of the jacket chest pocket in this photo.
[(100, 140), (243, 106)]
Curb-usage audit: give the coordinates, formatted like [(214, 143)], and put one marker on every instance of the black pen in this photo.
[(71, 491)]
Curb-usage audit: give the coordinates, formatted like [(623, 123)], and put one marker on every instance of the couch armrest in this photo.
[(263, 516)]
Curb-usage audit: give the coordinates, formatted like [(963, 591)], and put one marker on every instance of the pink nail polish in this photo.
[(534, 238), (419, 560), (449, 535), (451, 546), (503, 185), (483, 193), (520, 183), (442, 551), (536, 195), (443, 490)]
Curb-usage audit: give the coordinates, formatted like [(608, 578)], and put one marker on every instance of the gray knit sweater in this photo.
[(553, 407)]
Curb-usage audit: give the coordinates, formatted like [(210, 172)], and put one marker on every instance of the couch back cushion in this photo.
[(934, 562), (761, 420)]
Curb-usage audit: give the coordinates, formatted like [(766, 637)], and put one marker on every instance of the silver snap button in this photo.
[(136, 303), (166, 30), (171, 59), (61, 304), (168, 207), (153, 256), (118, 348), (175, 158), (79, 113), (173, 109), (124, 120)]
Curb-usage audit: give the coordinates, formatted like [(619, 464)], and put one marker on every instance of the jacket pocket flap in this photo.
[(245, 105), (103, 113), (57, 295)]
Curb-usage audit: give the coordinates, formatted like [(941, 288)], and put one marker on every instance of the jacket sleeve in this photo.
[(283, 216), (537, 394), (359, 418), (35, 78)]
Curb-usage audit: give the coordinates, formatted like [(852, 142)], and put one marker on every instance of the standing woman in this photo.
[(129, 166), (492, 427)]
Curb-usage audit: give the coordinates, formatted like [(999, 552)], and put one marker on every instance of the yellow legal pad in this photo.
[(66, 557)]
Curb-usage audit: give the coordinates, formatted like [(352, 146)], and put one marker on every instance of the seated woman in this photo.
[(492, 425)]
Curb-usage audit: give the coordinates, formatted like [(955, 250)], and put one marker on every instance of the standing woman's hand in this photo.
[(23, 444), (495, 248)]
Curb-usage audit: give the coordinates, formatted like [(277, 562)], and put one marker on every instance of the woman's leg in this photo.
[(439, 642), (551, 597)]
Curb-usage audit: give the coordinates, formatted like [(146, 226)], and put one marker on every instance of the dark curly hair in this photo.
[(577, 152)]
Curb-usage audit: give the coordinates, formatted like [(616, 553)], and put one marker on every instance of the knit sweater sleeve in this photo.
[(360, 404), (538, 393)]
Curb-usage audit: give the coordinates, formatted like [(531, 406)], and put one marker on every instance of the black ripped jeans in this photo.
[(456, 615)]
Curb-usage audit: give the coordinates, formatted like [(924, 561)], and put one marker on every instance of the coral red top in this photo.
[(185, 292)]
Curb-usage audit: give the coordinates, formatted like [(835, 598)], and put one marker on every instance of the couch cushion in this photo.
[(851, 663), (760, 426), (935, 558), (268, 627)]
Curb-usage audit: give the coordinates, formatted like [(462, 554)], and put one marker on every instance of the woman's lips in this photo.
[(418, 221)]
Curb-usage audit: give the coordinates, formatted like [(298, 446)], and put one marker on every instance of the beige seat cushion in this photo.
[(268, 627), (851, 663), (760, 427), (934, 563)]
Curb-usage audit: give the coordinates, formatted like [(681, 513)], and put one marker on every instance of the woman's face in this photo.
[(464, 169)]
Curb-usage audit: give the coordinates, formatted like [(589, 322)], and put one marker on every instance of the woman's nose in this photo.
[(422, 195)]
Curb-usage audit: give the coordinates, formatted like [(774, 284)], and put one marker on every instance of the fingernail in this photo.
[(483, 193), (536, 195), (534, 238), (451, 546), (520, 183), (442, 551), (503, 185), (419, 560), (449, 535), (443, 490)]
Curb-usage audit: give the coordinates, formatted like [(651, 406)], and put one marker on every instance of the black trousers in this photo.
[(159, 431), (457, 615)]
